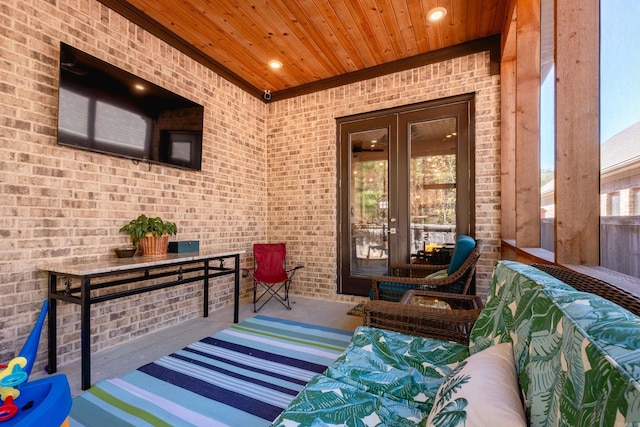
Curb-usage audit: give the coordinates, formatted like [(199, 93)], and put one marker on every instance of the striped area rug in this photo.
[(242, 376)]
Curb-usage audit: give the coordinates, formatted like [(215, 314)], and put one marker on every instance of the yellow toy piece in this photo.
[(9, 391), (13, 374)]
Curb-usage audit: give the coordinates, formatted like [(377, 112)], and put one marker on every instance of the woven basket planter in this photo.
[(154, 245)]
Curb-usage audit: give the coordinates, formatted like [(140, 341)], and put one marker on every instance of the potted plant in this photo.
[(151, 235)]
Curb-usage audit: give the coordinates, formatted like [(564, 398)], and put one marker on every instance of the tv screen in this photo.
[(105, 109)]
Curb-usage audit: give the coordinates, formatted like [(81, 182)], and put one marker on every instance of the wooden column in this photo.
[(508, 148), (508, 125), (527, 124), (577, 132)]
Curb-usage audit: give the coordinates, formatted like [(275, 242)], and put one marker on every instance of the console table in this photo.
[(178, 269)]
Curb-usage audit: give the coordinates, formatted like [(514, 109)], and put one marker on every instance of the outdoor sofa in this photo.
[(541, 353)]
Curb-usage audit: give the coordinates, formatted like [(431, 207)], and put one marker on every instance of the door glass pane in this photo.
[(369, 202), (619, 136), (433, 185)]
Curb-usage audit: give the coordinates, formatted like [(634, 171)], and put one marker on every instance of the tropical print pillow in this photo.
[(326, 402), (383, 378), (482, 391), (397, 366), (436, 275)]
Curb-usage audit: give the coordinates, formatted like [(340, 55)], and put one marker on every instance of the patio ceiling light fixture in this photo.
[(436, 14)]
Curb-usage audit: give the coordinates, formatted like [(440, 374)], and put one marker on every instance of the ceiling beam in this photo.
[(491, 44)]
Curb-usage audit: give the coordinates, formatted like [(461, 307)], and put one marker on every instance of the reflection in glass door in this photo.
[(432, 184), (369, 202)]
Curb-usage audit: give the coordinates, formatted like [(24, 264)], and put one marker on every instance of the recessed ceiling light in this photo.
[(139, 86), (436, 14), (275, 64)]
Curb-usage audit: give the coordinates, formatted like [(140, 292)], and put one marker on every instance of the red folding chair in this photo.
[(270, 276)]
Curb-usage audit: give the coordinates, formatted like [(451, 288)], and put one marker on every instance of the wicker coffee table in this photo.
[(432, 314)]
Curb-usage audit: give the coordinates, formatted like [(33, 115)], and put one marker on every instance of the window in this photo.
[(547, 124), (619, 135), (594, 65), (614, 204)]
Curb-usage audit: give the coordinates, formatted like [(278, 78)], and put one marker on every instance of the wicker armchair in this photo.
[(584, 283), (451, 324), (412, 276)]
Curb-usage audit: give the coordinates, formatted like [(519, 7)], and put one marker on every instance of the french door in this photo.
[(405, 184)]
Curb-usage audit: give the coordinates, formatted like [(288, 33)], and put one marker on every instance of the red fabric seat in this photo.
[(271, 279)]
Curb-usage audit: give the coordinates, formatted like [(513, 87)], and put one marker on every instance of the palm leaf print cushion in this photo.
[(482, 390)]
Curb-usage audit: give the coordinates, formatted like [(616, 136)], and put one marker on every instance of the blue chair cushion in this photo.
[(396, 289), (464, 246)]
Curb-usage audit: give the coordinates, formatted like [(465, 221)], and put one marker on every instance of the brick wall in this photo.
[(301, 141), (60, 202), (268, 172)]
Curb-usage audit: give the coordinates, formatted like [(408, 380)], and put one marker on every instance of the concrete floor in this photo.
[(119, 360)]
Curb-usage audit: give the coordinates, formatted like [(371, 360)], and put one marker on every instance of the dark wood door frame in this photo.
[(462, 107)]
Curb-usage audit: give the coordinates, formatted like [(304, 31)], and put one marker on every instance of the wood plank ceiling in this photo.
[(317, 41)]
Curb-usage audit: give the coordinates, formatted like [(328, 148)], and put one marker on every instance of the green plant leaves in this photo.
[(139, 227)]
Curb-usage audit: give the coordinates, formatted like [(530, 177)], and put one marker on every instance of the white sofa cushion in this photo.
[(482, 390)]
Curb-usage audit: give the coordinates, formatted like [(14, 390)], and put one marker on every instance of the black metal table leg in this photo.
[(52, 332), (85, 332), (236, 287), (205, 291)]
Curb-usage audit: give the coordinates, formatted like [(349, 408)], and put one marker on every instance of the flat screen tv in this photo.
[(105, 109)]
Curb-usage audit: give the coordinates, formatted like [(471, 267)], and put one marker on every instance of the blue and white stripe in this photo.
[(244, 375)]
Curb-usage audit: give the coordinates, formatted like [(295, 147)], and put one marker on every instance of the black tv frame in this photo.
[(100, 110)]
